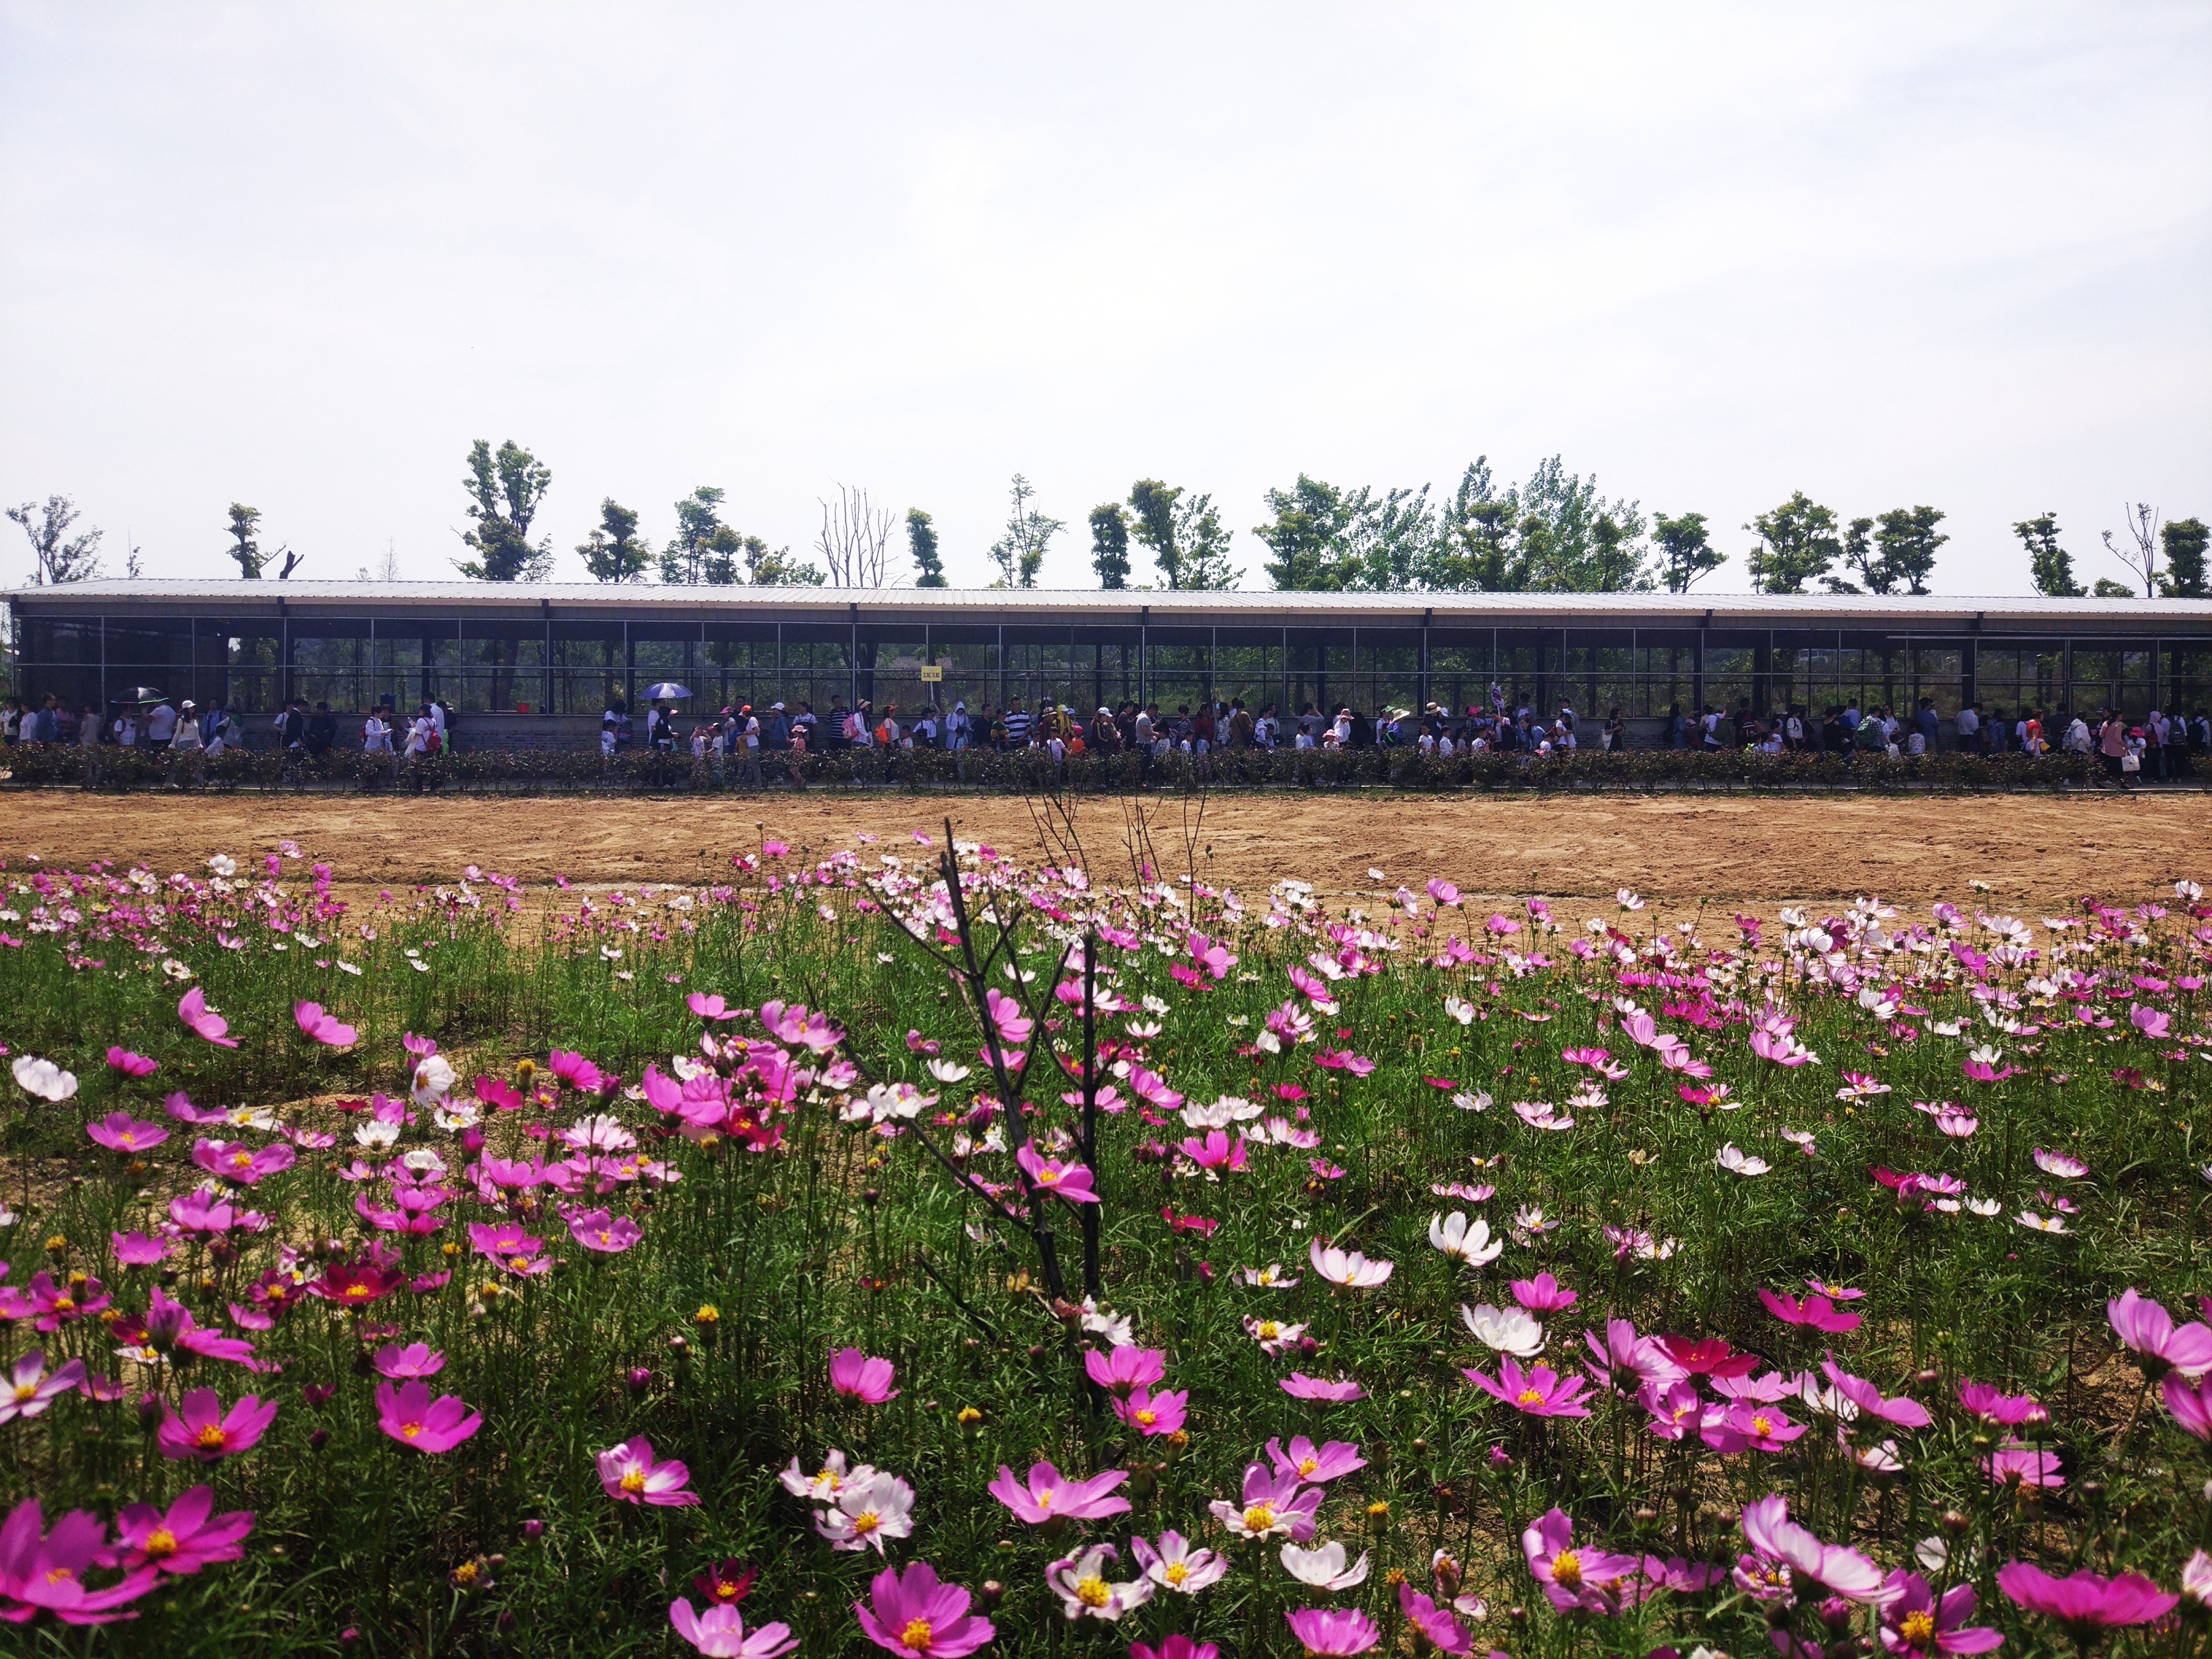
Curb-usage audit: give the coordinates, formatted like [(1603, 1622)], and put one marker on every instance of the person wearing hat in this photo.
[(185, 750), (749, 744)]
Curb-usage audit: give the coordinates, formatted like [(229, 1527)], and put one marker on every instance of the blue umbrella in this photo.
[(667, 691)]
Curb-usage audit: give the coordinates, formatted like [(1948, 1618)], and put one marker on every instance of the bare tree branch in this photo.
[(855, 536)]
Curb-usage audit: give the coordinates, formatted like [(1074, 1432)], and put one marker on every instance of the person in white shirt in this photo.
[(162, 724)]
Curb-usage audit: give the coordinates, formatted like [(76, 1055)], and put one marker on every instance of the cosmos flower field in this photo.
[(897, 1248)]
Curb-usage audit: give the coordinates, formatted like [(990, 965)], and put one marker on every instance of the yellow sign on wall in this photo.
[(932, 675)]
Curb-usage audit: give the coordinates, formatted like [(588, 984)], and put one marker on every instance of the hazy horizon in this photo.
[(301, 257)]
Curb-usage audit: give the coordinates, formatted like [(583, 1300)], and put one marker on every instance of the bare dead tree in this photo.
[(2143, 530), (854, 535)]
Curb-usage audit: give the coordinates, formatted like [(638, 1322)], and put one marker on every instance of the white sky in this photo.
[(300, 255)]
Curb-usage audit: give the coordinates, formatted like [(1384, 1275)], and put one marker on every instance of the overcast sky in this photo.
[(299, 256)]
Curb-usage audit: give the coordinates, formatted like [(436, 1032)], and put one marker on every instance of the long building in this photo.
[(532, 665)]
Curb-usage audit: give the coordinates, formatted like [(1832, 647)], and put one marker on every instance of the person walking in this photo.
[(186, 752)]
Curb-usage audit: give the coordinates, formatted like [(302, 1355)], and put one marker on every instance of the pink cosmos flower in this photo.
[(2086, 1604), (416, 1360), (56, 1305), (1540, 1392), (915, 1617), (40, 1570), (1917, 1625), (323, 1028), (1299, 1386), (119, 1132), (1676, 1408), (1174, 1564), (1436, 1623), (1121, 1369), (132, 1065), (1587, 1580), (1012, 1026), (185, 1540), (2149, 1331), (1346, 1267), (1318, 1464), (711, 1007), (236, 1162), (136, 1250), (1069, 1181), (858, 1377), (1627, 1360), (1215, 1151), (720, 1633), (610, 1235), (29, 1390), (406, 1412), (630, 1474), (167, 1325), (2191, 1403), (2014, 1464), (193, 1010), (1816, 1311), (1273, 1506), (1994, 1406), (1049, 1495), (205, 1432), (1774, 1537), (1324, 1631), (1542, 1294), (1153, 1413), (813, 1032), (1749, 1427), (1906, 1413), (1343, 1060), (2064, 1166)]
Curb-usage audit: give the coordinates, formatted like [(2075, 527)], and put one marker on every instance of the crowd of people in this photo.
[(750, 745)]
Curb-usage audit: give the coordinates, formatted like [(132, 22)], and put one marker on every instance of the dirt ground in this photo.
[(1756, 852)]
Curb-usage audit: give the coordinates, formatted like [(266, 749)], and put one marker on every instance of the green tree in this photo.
[(1110, 544), (1685, 554), (1310, 538), (1019, 554), (1797, 542), (2184, 578), (1475, 548), (1202, 546), (57, 556), (505, 491), (1572, 556), (767, 569), (1859, 555), (2106, 588), (2049, 566), (244, 521), (703, 549), (1908, 538), (614, 553), (921, 542)]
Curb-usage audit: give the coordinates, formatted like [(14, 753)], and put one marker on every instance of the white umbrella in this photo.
[(667, 691)]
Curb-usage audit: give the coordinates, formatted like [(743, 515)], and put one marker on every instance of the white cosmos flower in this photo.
[(888, 1100), (1736, 1161), (947, 1071), (223, 865), (1324, 1568), (434, 1080), (376, 1132), (1471, 1243), (454, 1116), (1507, 1330), (1346, 1267), (1627, 898), (2042, 1223), (1983, 1207), (1460, 1009), (1269, 1277), (43, 1079), (1143, 1030), (1477, 1102)]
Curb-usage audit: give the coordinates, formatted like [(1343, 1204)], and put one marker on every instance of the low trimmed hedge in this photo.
[(1032, 772)]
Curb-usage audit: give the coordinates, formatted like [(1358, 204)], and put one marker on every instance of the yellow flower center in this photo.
[(1567, 1569), (1260, 1517), (59, 1575), (1762, 1427), (1918, 1629), (867, 1522), (1092, 1592), (605, 1236), (411, 1429), (160, 1544), (518, 1262), (726, 1591), (1046, 1176), (356, 1292), (633, 1480), (241, 1160), (26, 1391), (917, 1634), (129, 1140), (1269, 1330), (1307, 1465), (1175, 1573), (64, 1305), (1529, 1397), (1045, 1499), (212, 1437), (1146, 1417), (466, 1573)]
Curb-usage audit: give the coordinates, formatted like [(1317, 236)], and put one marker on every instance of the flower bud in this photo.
[(319, 1439), (639, 1379), (991, 1592), (533, 1529)]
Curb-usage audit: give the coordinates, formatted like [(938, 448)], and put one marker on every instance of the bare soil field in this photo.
[(1748, 851)]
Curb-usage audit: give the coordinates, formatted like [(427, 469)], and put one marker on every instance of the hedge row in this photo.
[(1031, 771)]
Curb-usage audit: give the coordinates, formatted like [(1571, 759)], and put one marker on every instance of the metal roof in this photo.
[(1031, 605)]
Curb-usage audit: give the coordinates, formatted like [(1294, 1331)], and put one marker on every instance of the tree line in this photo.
[(1552, 532)]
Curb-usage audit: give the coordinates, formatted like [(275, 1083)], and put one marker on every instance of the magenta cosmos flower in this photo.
[(1445, 1632), (608, 1234), (1776, 1538), (203, 1430), (1154, 1413), (406, 1412), (119, 1132), (2190, 1404), (916, 1617), (2159, 1345), (1272, 1507), (325, 1029), (1050, 1496), (1068, 1181), (1329, 1631), (1177, 1646), (1587, 1579), (1318, 1464), (29, 1391), (416, 1360), (189, 1537), (193, 1010), (631, 1474), (2086, 1603), (1918, 1625), (1814, 1311), (859, 1376), (135, 1249), (39, 1570), (235, 1161), (1543, 1294), (720, 1633), (1299, 1386), (132, 1065), (1121, 1369), (2014, 1463), (1539, 1391)]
